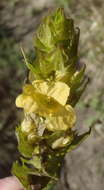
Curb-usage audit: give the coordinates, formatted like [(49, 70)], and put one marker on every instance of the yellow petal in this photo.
[(28, 89), (43, 98), (26, 102), (60, 92), (40, 86), (63, 120), (20, 100), (45, 105)]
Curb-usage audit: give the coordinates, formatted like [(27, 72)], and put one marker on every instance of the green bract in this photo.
[(56, 82)]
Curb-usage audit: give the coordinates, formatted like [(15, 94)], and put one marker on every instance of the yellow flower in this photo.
[(59, 91), (48, 100), (43, 98), (63, 120)]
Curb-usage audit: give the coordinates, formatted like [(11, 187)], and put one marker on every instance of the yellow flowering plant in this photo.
[(55, 84)]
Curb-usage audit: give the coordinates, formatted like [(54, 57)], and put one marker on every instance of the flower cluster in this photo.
[(56, 82), (48, 101)]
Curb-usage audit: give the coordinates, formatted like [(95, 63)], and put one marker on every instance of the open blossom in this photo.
[(48, 101)]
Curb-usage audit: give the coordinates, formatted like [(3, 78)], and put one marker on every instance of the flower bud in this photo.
[(62, 142), (32, 137), (28, 125)]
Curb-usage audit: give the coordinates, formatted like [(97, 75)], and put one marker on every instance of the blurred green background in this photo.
[(18, 22)]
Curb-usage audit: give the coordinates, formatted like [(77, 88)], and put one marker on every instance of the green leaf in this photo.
[(24, 173), (44, 39), (24, 147), (51, 138), (21, 172), (52, 62), (61, 26), (36, 162), (77, 78), (73, 50), (33, 69), (50, 186), (76, 94), (78, 139)]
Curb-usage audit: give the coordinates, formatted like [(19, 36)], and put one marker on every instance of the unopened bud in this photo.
[(27, 125)]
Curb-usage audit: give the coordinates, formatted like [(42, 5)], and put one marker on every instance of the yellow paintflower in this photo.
[(49, 101), (43, 98), (59, 91), (63, 120)]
